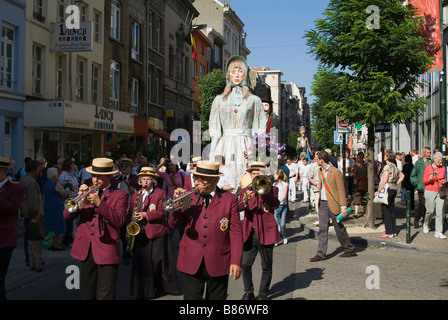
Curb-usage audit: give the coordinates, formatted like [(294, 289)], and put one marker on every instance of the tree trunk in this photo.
[(370, 217)]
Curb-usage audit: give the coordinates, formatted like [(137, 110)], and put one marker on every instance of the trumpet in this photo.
[(261, 185), (179, 203), (133, 228), (72, 205)]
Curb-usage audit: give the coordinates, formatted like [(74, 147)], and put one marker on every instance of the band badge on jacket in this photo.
[(224, 224), (152, 207)]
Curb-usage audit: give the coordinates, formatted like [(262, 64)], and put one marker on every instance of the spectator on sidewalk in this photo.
[(406, 184), (35, 241), (433, 178), (392, 177), (417, 181), (360, 181), (280, 213), (313, 179), (304, 182), (32, 199), (293, 178), (349, 164), (11, 196)]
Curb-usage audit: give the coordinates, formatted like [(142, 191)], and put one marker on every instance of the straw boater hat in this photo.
[(125, 161), (148, 171), (195, 160), (102, 166), (4, 162), (207, 169), (257, 165)]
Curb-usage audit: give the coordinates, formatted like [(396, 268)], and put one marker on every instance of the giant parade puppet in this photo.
[(236, 116)]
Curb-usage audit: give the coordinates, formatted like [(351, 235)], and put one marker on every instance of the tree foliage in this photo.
[(323, 88), (379, 68), (211, 85), (376, 68)]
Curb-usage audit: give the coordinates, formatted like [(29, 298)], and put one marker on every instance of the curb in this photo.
[(360, 240)]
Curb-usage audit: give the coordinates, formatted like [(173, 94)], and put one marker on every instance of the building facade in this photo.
[(12, 80)]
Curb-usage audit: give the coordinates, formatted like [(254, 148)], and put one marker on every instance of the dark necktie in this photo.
[(207, 198)]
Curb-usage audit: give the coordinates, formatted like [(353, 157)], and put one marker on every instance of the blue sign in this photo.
[(339, 138), (383, 127)]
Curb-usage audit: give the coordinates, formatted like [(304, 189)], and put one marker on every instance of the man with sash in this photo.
[(332, 201)]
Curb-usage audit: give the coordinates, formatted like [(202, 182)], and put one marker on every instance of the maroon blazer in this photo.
[(188, 185), (99, 227), (11, 196), (156, 224), (213, 234), (263, 222)]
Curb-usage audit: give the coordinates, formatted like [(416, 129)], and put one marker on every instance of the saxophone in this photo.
[(133, 228)]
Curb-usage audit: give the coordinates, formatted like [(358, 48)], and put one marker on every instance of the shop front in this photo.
[(61, 128)]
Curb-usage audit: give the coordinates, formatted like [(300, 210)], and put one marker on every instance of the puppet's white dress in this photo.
[(232, 124)]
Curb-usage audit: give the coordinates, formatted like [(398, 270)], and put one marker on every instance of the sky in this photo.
[(275, 31)]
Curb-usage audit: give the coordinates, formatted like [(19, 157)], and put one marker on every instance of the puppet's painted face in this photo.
[(237, 73), (266, 107)]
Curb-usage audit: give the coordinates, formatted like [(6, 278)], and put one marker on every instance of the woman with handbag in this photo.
[(434, 178), (391, 177)]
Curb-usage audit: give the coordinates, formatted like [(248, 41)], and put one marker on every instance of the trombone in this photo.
[(179, 203), (261, 185), (72, 205)]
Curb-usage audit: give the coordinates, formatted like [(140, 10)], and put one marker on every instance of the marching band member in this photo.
[(11, 196), (128, 182), (97, 239), (260, 232), (153, 268), (212, 244), (189, 181)]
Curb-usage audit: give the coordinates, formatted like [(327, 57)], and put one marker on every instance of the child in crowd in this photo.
[(280, 213)]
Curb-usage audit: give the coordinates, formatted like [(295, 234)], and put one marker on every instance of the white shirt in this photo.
[(227, 179), (304, 171), (293, 169)]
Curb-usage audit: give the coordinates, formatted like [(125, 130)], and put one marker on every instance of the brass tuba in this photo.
[(133, 228), (72, 205), (179, 203), (261, 184)]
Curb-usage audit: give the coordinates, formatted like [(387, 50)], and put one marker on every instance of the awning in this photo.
[(162, 133)]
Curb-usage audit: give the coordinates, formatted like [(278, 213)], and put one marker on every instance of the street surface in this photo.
[(374, 274)]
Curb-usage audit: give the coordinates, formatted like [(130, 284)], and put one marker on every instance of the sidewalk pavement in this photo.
[(419, 241)]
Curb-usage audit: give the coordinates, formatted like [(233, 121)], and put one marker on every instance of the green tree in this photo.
[(323, 89), (211, 85), (378, 50)]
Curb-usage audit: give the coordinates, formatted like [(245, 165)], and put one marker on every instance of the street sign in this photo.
[(343, 125), (383, 127), (339, 138)]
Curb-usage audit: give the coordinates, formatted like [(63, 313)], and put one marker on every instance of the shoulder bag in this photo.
[(443, 191), (382, 196)]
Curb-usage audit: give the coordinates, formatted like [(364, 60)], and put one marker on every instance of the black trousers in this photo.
[(98, 281), (5, 259), (421, 209), (194, 285), (251, 248)]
